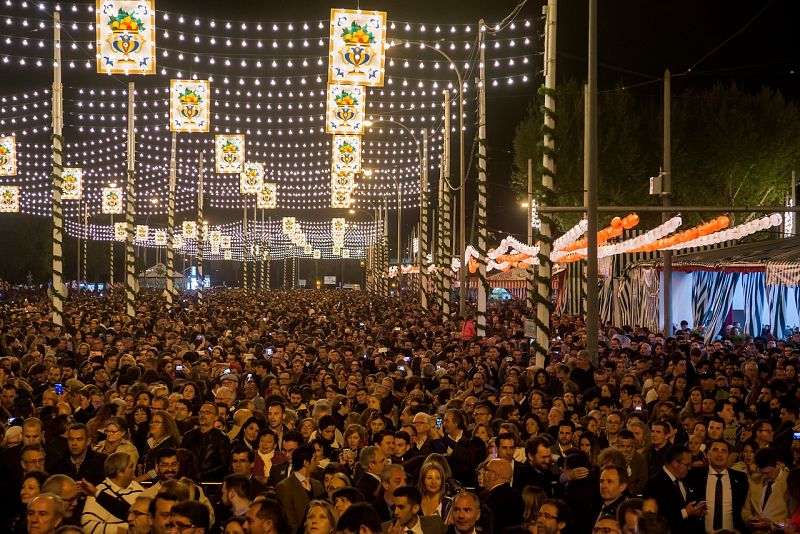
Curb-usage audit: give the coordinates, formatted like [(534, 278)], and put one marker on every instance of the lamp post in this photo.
[(352, 211), (462, 292)]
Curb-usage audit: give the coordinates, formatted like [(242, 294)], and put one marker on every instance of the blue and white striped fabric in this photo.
[(776, 300), (712, 295), (755, 295), (605, 288)]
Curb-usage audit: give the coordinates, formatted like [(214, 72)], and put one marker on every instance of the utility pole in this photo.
[(111, 256), (131, 284), (592, 298), (481, 226), (445, 203), (58, 291), (245, 247), (529, 271), (666, 198)]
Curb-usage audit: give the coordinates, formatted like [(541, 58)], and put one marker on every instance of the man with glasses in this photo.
[(767, 503), (32, 458), (677, 501), (553, 516), (422, 424), (607, 524), (209, 445), (140, 521), (188, 517)]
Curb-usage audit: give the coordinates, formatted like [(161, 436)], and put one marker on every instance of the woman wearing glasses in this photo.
[(117, 440)]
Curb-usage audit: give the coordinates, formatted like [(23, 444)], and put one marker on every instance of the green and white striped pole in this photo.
[(58, 289), (169, 288), (200, 234), (130, 205)]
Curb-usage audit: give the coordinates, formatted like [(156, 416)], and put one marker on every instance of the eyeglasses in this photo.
[(605, 530), (546, 516), (180, 527), (37, 461)]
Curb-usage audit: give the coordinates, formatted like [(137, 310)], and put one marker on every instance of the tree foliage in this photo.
[(729, 147)]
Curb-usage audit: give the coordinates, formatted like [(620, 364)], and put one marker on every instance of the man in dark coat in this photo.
[(504, 501), (209, 445), (677, 501), (81, 462)]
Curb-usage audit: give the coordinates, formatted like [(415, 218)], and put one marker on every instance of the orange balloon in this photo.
[(724, 221), (616, 222)]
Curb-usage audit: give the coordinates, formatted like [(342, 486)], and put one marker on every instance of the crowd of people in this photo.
[(323, 411)]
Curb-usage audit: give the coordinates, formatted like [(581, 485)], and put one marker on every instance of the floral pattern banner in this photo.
[(72, 183), (225, 242), (267, 197), (227, 255), (189, 230), (142, 232), (341, 198), (161, 238), (229, 150), (189, 105), (215, 237), (112, 200), (317, 254), (345, 110), (346, 156), (9, 198), (252, 178), (8, 155), (120, 231), (177, 241), (126, 37), (357, 47)]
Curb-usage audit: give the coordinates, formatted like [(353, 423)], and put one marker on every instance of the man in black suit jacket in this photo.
[(291, 441), (406, 514), (677, 501), (372, 461), (704, 482), (504, 501), (81, 462)]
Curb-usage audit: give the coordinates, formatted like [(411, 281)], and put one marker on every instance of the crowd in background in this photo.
[(317, 411)]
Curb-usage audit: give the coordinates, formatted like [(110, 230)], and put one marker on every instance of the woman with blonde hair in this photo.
[(432, 486), (321, 518)]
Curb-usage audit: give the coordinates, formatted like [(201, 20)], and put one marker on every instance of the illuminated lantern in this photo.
[(8, 155), (126, 37), (9, 198), (111, 200), (72, 183), (230, 153), (357, 42), (189, 105)]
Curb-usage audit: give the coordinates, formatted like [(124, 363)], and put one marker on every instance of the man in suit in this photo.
[(393, 477), (538, 470), (291, 440), (81, 462), (677, 501), (242, 464), (723, 489), (296, 491), (505, 502), (372, 462), (767, 502), (407, 501)]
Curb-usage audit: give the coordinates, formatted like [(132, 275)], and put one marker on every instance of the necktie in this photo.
[(767, 493), (718, 503)]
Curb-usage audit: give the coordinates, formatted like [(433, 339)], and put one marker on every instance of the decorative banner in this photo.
[(9, 198), (205, 230), (120, 231), (346, 155), (214, 237), (288, 225), (177, 241), (341, 198), (8, 155), (267, 196), (345, 111), (142, 233), (343, 181), (307, 249), (357, 52), (225, 241), (317, 254), (189, 230), (189, 105), (126, 37), (112, 200), (161, 238), (72, 185), (215, 248), (227, 255), (229, 150), (345, 253), (336, 249), (252, 178)]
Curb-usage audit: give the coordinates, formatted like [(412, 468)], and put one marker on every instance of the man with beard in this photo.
[(210, 447), (406, 518), (82, 462), (553, 517), (168, 468)]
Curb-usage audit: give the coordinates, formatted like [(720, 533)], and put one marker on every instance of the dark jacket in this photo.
[(670, 503), (92, 468), (507, 507), (698, 479), (278, 473), (211, 451), (583, 496)]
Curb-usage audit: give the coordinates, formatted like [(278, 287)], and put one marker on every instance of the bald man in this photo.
[(504, 501)]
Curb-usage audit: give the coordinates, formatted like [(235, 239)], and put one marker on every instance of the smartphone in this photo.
[(227, 371), (796, 436), (361, 325), (199, 337), (179, 368), (10, 419), (401, 368), (249, 377), (638, 408), (60, 389), (439, 423), (407, 359), (268, 352)]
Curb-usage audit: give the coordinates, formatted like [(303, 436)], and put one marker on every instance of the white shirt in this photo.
[(416, 529), (727, 500)]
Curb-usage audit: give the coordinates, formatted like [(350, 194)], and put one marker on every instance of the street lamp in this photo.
[(352, 211), (462, 293)]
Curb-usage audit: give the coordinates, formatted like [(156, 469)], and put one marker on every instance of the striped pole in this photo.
[(245, 248), (58, 289), (130, 205), (86, 242), (285, 273), (445, 203), (261, 253), (169, 289), (483, 285), (200, 234), (422, 242), (268, 285), (111, 257)]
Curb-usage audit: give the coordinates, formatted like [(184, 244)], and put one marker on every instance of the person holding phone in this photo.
[(681, 505)]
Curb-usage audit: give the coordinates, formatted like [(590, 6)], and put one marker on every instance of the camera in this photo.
[(796, 436), (227, 371)]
